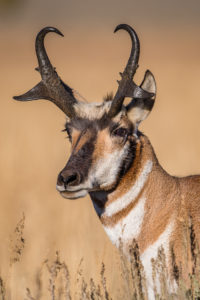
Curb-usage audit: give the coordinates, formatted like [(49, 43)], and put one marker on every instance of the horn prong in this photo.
[(37, 92)]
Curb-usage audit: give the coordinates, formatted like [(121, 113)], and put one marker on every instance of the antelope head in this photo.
[(103, 136)]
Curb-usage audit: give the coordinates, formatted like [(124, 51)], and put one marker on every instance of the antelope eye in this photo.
[(121, 132)]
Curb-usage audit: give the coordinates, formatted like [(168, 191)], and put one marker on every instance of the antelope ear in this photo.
[(139, 109)]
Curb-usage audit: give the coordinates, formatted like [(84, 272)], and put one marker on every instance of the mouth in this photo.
[(71, 194)]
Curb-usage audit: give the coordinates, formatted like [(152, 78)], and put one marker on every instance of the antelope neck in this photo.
[(122, 212), (128, 199), (107, 203)]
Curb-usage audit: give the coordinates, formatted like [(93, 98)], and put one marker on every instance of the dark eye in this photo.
[(121, 132)]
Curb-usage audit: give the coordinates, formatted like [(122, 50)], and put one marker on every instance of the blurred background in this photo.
[(88, 58)]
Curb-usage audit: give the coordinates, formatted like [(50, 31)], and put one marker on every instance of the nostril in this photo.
[(71, 179), (68, 178)]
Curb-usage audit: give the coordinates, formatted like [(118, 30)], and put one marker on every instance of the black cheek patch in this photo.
[(126, 164)]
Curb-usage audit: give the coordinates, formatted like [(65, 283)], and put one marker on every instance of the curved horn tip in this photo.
[(123, 26), (15, 97), (47, 29)]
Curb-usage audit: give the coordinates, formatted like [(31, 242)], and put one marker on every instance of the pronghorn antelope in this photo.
[(113, 162)]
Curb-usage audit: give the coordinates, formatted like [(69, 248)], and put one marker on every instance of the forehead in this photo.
[(92, 111), (94, 116)]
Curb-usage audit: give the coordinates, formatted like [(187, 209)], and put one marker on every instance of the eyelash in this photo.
[(122, 132), (68, 133)]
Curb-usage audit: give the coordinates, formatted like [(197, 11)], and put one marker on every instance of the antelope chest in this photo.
[(128, 227), (150, 253)]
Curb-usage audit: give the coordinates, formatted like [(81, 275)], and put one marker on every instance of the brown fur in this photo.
[(168, 198), (79, 139), (114, 219), (131, 176)]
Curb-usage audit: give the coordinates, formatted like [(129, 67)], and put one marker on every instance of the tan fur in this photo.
[(103, 145), (79, 139), (114, 219), (131, 176), (75, 137), (168, 198)]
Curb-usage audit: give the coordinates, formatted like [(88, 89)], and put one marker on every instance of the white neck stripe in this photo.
[(129, 227), (134, 191)]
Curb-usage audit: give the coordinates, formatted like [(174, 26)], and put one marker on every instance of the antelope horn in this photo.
[(127, 88), (51, 87)]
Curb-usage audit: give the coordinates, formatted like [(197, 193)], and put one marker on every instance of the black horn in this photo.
[(51, 87), (127, 88)]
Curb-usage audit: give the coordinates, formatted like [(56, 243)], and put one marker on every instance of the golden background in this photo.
[(88, 58)]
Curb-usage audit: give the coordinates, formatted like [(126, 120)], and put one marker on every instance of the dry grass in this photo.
[(54, 282), (33, 151)]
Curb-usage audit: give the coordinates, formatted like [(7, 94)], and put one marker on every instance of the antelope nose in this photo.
[(68, 178)]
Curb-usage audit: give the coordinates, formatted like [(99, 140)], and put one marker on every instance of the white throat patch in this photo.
[(132, 194), (129, 227)]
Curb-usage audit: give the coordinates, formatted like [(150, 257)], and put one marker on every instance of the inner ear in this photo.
[(149, 84), (139, 108)]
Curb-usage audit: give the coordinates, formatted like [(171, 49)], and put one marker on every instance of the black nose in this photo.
[(69, 178)]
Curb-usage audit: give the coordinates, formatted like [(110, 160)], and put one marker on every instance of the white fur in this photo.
[(107, 168), (129, 227), (132, 194), (152, 252), (104, 172), (60, 188), (92, 111), (74, 195)]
